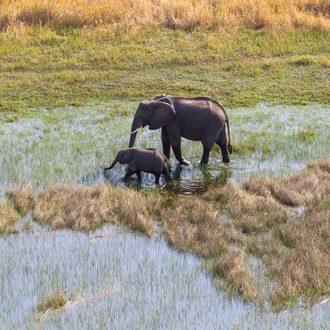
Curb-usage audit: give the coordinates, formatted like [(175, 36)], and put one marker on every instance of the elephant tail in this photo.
[(230, 148)]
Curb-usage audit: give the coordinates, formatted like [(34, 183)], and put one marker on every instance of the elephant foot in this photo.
[(203, 165), (184, 162)]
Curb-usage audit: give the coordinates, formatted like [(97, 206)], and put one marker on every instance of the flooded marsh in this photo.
[(113, 277), (72, 146)]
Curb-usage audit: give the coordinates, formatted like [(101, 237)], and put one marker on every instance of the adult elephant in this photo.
[(197, 119)]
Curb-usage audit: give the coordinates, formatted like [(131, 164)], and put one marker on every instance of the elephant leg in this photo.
[(166, 173), (167, 149), (132, 169), (222, 142), (206, 155), (225, 152), (129, 173), (138, 174), (166, 144), (178, 155), (157, 176)]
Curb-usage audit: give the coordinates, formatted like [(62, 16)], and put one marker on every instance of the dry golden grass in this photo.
[(250, 213), (192, 225), (232, 267), (265, 187), (22, 199), (296, 251), (85, 208), (277, 14), (7, 216), (305, 267)]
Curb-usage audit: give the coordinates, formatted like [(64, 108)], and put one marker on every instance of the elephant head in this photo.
[(123, 157), (156, 114)]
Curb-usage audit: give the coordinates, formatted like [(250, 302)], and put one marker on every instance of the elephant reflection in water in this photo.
[(198, 119), (182, 185)]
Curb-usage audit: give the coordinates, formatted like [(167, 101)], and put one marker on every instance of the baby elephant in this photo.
[(146, 160)]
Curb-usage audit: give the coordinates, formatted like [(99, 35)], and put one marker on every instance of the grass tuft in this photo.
[(52, 302), (265, 187), (8, 216), (232, 267), (244, 147), (22, 199), (192, 225), (305, 135)]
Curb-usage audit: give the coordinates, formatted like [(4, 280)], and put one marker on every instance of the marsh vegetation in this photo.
[(267, 208), (241, 245)]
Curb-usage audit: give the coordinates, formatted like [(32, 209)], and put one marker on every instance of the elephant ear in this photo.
[(126, 155), (162, 115)]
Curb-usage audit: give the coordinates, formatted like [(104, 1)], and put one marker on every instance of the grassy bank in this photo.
[(238, 68), (54, 54)]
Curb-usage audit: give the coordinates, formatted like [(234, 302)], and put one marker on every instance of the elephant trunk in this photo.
[(113, 164), (137, 123)]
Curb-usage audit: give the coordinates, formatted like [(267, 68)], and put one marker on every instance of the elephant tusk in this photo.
[(135, 130)]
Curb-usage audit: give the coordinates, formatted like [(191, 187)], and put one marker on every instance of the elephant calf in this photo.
[(147, 160)]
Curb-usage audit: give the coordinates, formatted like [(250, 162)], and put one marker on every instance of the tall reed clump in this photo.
[(85, 208), (22, 199), (256, 14)]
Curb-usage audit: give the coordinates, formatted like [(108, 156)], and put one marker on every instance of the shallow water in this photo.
[(74, 145), (123, 280), (114, 279)]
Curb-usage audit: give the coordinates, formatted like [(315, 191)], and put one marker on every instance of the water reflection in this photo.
[(185, 180), (195, 180)]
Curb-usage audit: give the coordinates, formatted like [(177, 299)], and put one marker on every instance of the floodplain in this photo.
[(84, 249)]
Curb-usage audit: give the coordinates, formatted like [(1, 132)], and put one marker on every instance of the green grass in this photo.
[(238, 67)]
